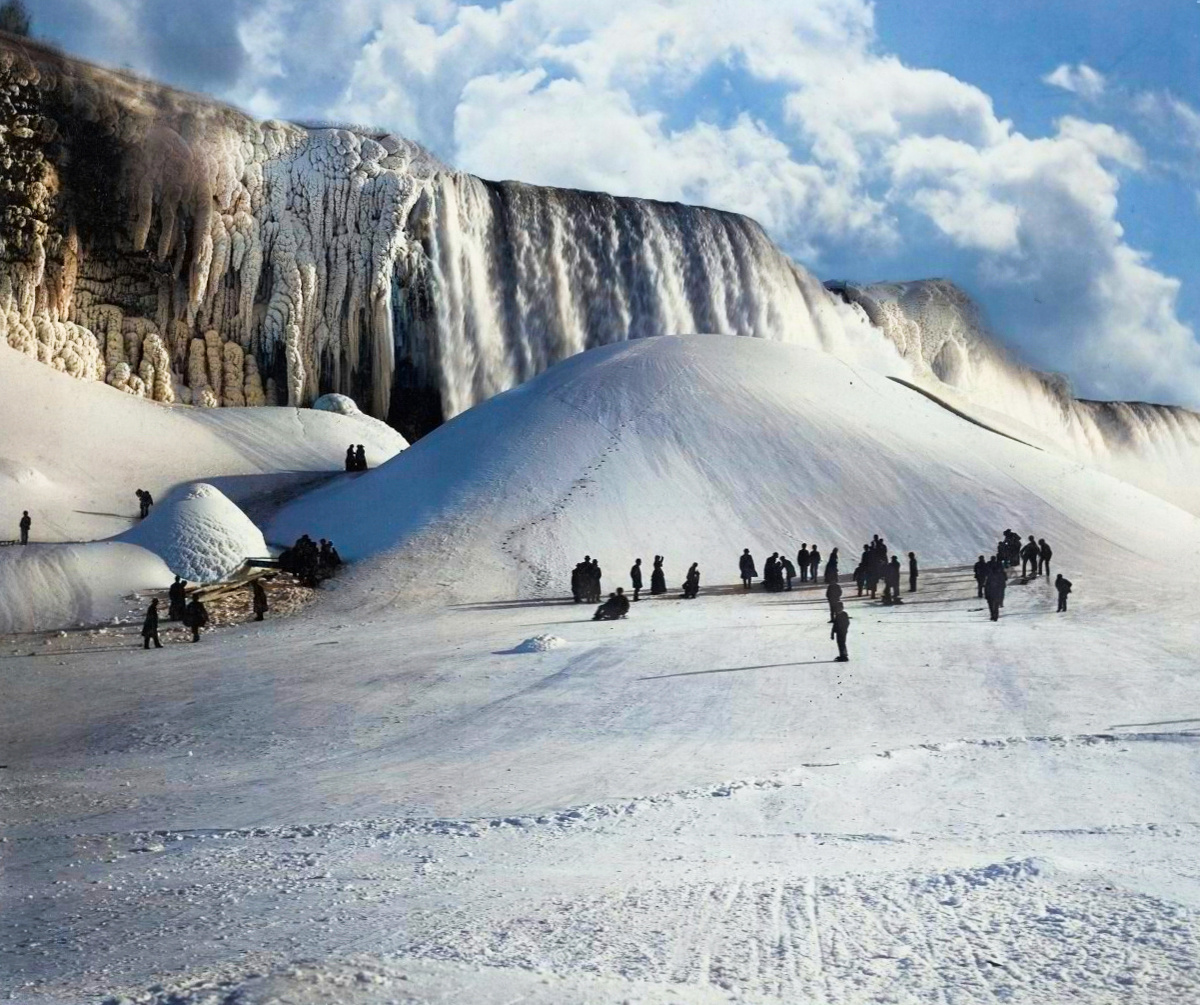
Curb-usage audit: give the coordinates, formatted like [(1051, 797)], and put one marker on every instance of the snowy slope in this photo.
[(74, 451), (695, 447)]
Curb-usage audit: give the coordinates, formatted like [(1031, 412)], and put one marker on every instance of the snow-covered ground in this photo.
[(383, 799)]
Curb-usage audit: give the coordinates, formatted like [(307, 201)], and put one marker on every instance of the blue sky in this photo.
[(1044, 155)]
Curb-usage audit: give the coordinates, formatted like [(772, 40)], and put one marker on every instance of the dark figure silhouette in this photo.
[(913, 571), (772, 574), (25, 524), (802, 562), (789, 571), (329, 557), (814, 563), (840, 622), (691, 584), (833, 593), (616, 606), (1045, 553), (831, 567), (351, 462), (579, 576), (360, 458), (150, 627), (746, 568), (259, 602), (860, 576), (177, 599), (594, 582), (994, 587), (891, 582), (658, 578), (195, 617), (1063, 585), (981, 571), (145, 501), (635, 578), (1029, 557)]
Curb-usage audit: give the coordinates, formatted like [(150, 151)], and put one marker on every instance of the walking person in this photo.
[(833, 593), (814, 563), (994, 587), (1029, 558), (831, 567), (25, 524), (1045, 553), (981, 571), (195, 617), (1063, 585), (912, 572), (259, 601), (145, 501), (746, 568), (802, 562), (840, 621), (658, 578), (150, 626), (635, 578)]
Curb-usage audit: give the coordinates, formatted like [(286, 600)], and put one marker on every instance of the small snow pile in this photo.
[(339, 403), (199, 533), (540, 644)]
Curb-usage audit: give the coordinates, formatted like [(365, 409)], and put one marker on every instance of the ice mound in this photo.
[(199, 533), (339, 403), (540, 644)]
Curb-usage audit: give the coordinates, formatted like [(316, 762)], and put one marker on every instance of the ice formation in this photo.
[(338, 403), (199, 533)]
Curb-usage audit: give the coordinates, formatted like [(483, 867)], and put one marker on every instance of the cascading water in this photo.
[(182, 251)]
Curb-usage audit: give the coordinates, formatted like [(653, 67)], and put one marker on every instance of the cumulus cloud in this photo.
[(1080, 79), (791, 113)]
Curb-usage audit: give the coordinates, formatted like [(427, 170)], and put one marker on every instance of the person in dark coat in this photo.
[(891, 580), (635, 577), (994, 587), (360, 458), (831, 567), (860, 576), (579, 579), (177, 599), (351, 462), (746, 568), (912, 572), (616, 606), (1063, 585), (145, 501), (259, 602), (195, 617), (772, 576), (150, 626), (330, 559), (802, 562), (874, 572), (833, 593), (840, 622), (789, 571), (658, 578), (814, 563), (25, 524), (691, 584), (981, 571), (1029, 557), (594, 581), (1045, 553)]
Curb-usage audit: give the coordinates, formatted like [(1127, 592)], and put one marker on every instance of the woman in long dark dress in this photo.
[(658, 578)]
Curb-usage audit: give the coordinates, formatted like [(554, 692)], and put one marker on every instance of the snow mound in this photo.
[(540, 644), (696, 447), (199, 533), (340, 404)]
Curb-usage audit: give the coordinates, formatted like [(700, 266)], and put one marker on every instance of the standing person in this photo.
[(1045, 553), (912, 572), (746, 568), (814, 563), (351, 462), (860, 576), (579, 574), (833, 593), (177, 599), (259, 603), (831, 567), (981, 571), (994, 587), (789, 571), (195, 617), (25, 524), (840, 621), (635, 578), (772, 575), (891, 574), (802, 562), (360, 458), (691, 584), (1063, 585), (658, 578), (1029, 557), (150, 626), (595, 581)]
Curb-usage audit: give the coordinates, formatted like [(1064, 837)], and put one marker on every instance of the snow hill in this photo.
[(75, 451), (695, 447)]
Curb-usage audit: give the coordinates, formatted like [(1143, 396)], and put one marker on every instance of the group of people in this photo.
[(875, 567), (310, 561), (145, 501), (585, 581), (356, 458), (1034, 555), (191, 613), (991, 574)]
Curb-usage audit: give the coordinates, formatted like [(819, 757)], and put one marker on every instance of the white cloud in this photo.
[(1080, 79)]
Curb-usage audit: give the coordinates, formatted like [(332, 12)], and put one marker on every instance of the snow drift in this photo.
[(200, 534), (694, 448)]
